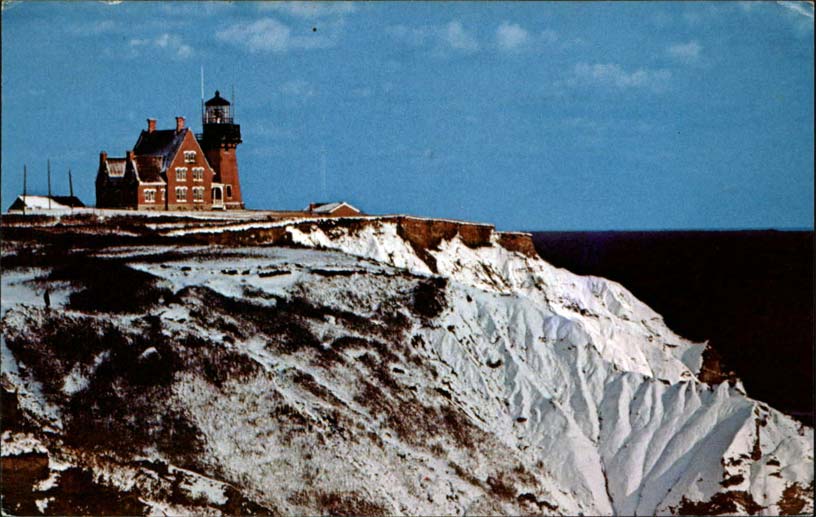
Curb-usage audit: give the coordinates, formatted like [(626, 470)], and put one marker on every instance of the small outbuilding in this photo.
[(45, 203), (72, 201), (337, 209)]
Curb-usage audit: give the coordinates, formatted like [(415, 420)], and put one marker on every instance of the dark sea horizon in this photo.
[(748, 292)]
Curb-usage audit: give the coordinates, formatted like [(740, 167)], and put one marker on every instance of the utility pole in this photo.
[(49, 183), (25, 187), (71, 189)]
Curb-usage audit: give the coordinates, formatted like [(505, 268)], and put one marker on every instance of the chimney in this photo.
[(179, 124), (151, 125), (129, 155), (103, 157)]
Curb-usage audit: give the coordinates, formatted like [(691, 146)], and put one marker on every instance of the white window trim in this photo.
[(198, 190), (183, 198), (151, 191), (183, 172), (196, 170), (189, 156)]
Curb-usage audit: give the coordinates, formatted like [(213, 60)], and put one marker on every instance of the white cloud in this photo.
[(452, 35), (414, 36), (195, 9), (615, 76), (264, 34), (94, 28), (800, 15), (297, 88), (270, 35), (309, 9), (802, 8), (169, 42), (685, 52), (511, 36), (184, 51), (458, 38)]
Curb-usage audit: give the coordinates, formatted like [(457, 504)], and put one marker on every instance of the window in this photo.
[(181, 194), (229, 191), (189, 156), (162, 194), (181, 173), (198, 173), (150, 195), (198, 194)]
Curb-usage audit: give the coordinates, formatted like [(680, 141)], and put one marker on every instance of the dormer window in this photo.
[(189, 156)]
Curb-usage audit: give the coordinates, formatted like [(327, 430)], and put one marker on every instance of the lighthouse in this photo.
[(219, 140)]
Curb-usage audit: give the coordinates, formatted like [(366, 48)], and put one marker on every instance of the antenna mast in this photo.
[(49, 184), (234, 111), (25, 189), (323, 173), (202, 94)]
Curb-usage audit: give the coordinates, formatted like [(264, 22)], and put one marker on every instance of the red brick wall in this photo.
[(189, 144), (159, 204), (225, 162)]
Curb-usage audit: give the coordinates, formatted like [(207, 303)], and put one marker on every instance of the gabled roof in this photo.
[(162, 142), (327, 208), (37, 203), (149, 168), (116, 166)]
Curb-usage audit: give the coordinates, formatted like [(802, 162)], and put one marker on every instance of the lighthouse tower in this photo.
[(219, 140)]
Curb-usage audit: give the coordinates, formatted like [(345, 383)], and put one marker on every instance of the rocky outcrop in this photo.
[(520, 242)]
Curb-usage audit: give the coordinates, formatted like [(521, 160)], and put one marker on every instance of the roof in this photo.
[(162, 142), (116, 166), (149, 168), (327, 208), (217, 100), (37, 202), (71, 201)]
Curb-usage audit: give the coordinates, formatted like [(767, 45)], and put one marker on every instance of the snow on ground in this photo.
[(538, 387), (27, 286), (14, 444)]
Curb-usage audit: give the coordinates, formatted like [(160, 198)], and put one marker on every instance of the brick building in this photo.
[(174, 169)]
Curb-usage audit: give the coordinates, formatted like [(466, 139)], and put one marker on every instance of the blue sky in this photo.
[(534, 116)]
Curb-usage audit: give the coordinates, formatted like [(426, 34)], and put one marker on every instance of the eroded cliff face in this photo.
[(363, 366)]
